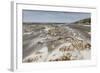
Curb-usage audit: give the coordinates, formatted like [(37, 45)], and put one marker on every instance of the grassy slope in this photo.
[(86, 21)]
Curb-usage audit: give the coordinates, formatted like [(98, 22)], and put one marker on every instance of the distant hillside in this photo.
[(86, 21)]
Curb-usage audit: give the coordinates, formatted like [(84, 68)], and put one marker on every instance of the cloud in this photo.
[(53, 16)]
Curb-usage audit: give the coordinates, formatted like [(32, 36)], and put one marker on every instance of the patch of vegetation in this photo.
[(86, 21)]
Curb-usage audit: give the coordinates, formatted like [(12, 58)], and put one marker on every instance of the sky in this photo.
[(34, 16)]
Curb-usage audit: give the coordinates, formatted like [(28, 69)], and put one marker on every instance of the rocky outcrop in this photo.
[(55, 43)]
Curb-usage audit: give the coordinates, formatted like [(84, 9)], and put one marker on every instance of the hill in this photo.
[(86, 21)]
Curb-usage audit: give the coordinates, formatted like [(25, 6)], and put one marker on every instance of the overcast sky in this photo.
[(52, 16)]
